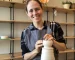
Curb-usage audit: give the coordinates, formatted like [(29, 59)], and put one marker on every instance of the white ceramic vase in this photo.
[(47, 51)]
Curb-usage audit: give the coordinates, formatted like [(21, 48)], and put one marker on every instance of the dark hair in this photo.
[(33, 0)]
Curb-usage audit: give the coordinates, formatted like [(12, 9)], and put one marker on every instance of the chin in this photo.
[(37, 20)]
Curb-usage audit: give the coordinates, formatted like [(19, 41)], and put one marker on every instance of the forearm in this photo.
[(59, 46), (30, 55)]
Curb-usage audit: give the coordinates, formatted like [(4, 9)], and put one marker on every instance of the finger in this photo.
[(39, 46), (51, 38), (45, 36), (39, 42)]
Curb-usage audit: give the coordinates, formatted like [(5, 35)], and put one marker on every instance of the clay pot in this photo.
[(66, 6)]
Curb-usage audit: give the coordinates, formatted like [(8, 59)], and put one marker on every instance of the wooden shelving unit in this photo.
[(21, 6), (67, 51)]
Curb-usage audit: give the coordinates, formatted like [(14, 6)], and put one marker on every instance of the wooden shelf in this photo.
[(5, 56), (6, 21), (18, 5), (69, 37), (17, 55), (15, 21), (67, 51), (59, 9), (18, 38), (66, 23), (8, 4), (64, 10), (11, 39), (29, 21), (26, 21), (4, 4), (6, 39), (9, 56)]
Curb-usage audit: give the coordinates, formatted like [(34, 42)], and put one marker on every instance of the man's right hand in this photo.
[(38, 45)]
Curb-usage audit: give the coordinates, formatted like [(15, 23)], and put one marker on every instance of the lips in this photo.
[(37, 16)]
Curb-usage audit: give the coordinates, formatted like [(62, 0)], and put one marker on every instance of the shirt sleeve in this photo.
[(59, 33), (23, 43)]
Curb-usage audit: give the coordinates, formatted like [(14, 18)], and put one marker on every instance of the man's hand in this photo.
[(48, 37), (38, 45)]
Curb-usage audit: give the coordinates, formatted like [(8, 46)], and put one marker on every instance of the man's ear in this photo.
[(26, 12)]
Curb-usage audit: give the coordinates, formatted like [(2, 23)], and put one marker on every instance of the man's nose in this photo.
[(34, 12)]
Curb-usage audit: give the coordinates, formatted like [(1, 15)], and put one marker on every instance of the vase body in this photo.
[(47, 51)]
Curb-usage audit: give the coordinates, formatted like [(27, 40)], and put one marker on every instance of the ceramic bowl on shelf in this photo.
[(3, 37)]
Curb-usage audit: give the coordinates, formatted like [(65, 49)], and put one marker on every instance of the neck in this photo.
[(39, 25)]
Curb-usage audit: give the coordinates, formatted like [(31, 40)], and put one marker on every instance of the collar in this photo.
[(32, 27)]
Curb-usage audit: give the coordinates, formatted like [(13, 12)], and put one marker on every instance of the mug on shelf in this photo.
[(3, 37)]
